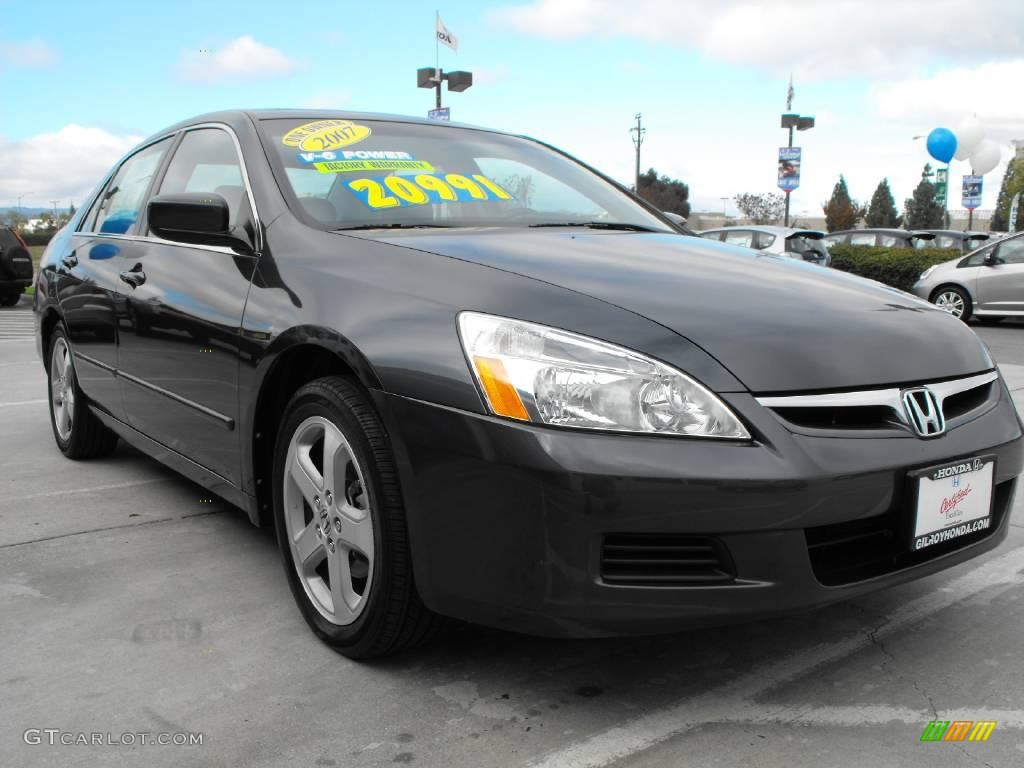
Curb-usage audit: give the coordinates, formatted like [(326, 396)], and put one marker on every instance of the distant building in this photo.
[(34, 225), (1018, 146)]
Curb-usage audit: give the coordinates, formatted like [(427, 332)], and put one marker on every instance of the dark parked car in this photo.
[(15, 267), (890, 238), (951, 238), (465, 375)]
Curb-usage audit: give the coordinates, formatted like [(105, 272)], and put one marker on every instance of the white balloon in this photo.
[(985, 157), (969, 135)]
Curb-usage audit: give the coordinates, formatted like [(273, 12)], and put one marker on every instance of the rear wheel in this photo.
[(79, 434), (341, 524), (954, 300), (9, 298)]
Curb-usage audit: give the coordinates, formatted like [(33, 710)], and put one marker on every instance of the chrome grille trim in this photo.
[(888, 398)]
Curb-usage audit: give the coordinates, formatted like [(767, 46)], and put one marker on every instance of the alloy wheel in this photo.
[(952, 302), (328, 520), (62, 388)]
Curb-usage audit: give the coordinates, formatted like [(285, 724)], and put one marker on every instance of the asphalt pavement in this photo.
[(133, 603)]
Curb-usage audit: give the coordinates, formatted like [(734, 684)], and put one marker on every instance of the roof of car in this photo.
[(769, 228), (886, 231), (970, 234), (234, 115)]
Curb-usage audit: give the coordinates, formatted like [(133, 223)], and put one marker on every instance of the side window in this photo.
[(888, 241), (1011, 252), (977, 259), (834, 240), (763, 240), (862, 238), (715, 235), (85, 220), (739, 237), (118, 206), (206, 161)]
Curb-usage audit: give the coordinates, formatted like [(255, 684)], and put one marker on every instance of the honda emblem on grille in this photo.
[(923, 412)]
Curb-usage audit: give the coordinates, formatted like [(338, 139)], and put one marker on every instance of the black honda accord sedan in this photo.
[(465, 375)]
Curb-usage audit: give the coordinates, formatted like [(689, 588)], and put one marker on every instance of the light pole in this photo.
[(638, 132), (431, 77), (791, 120)]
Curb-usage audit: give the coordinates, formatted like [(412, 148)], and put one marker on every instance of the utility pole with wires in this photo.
[(54, 204), (638, 139)]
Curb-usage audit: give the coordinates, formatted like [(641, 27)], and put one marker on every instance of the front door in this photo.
[(1001, 286), (180, 346)]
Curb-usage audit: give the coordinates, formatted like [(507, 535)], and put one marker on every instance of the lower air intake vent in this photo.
[(664, 560)]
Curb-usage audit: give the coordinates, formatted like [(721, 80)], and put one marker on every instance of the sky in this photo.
[(81, 83)]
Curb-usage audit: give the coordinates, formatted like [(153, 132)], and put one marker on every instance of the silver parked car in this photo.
[(803, 244), (987, 283)]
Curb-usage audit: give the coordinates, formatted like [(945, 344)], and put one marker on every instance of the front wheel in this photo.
[(954, 300), (341, 524)]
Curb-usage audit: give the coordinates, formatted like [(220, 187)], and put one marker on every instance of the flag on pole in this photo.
[(446, 37), (789, 94)]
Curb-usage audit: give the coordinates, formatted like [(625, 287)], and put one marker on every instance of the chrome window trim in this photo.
[(245, 178), (891, 398)]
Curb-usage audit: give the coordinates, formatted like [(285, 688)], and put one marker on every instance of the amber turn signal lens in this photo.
[(502, 395)]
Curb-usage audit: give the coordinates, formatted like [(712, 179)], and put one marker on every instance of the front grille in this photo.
[(664, 560), (844, 553), (842, 417), (963, 403)]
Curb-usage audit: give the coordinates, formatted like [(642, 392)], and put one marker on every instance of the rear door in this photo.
[(180, 344), (87, 283), (1001, 286)]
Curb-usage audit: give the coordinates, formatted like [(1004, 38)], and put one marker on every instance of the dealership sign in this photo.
[(789, 168), (972, 192)]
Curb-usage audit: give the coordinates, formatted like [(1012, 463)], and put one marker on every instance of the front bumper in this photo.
[(508, 522)]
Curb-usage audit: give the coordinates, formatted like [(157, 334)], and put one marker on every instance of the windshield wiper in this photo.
[(393, 226), (623, 226)]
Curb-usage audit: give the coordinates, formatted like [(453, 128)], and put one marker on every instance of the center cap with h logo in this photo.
[(924, 413)]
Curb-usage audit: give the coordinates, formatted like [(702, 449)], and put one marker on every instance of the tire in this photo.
[(79, 434), (356, 588), (954, 300), (10, 298)]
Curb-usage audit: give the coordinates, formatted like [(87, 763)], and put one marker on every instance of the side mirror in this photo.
[(675, 218), (196, 218), (991, 259)]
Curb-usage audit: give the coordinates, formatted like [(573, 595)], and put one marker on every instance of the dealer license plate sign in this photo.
[(953, 500)]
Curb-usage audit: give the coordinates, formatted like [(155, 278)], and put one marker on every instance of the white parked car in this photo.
[(805, 244)]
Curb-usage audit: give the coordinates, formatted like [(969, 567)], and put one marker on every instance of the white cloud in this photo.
[(64, 165), (992, 91), (242, 58), (490, 75), (333, 99), (27, 54), (815, 39)]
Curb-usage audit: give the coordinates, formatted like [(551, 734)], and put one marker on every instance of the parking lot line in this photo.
[(93, 489), (22, 402), (737, 699)]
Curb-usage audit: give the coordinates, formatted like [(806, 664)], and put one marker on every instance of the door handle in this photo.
[(134, 276), (70, 260)]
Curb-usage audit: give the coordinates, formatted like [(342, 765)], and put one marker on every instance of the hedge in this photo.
[(37, 238), (898, 267)]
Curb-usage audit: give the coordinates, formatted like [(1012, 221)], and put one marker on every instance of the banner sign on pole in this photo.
[(1014, 207), (789, 168), (941, 184), (444, 113), (972, 192)]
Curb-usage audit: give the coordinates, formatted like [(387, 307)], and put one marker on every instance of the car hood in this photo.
[(778, 325)]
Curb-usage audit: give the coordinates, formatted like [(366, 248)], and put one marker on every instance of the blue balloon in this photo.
[(942, 144)]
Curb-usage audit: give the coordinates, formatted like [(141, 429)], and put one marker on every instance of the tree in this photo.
[(761, 209), (665, 193), (1013, 182), (923, 211), (882, 210), (841, 212)]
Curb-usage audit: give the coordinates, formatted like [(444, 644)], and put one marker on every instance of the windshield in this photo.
[(372, 173)]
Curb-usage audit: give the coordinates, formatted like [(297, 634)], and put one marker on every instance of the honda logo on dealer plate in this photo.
[(923, 412)]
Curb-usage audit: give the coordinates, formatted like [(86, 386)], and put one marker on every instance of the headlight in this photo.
[(924, 275), (534, 373)]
